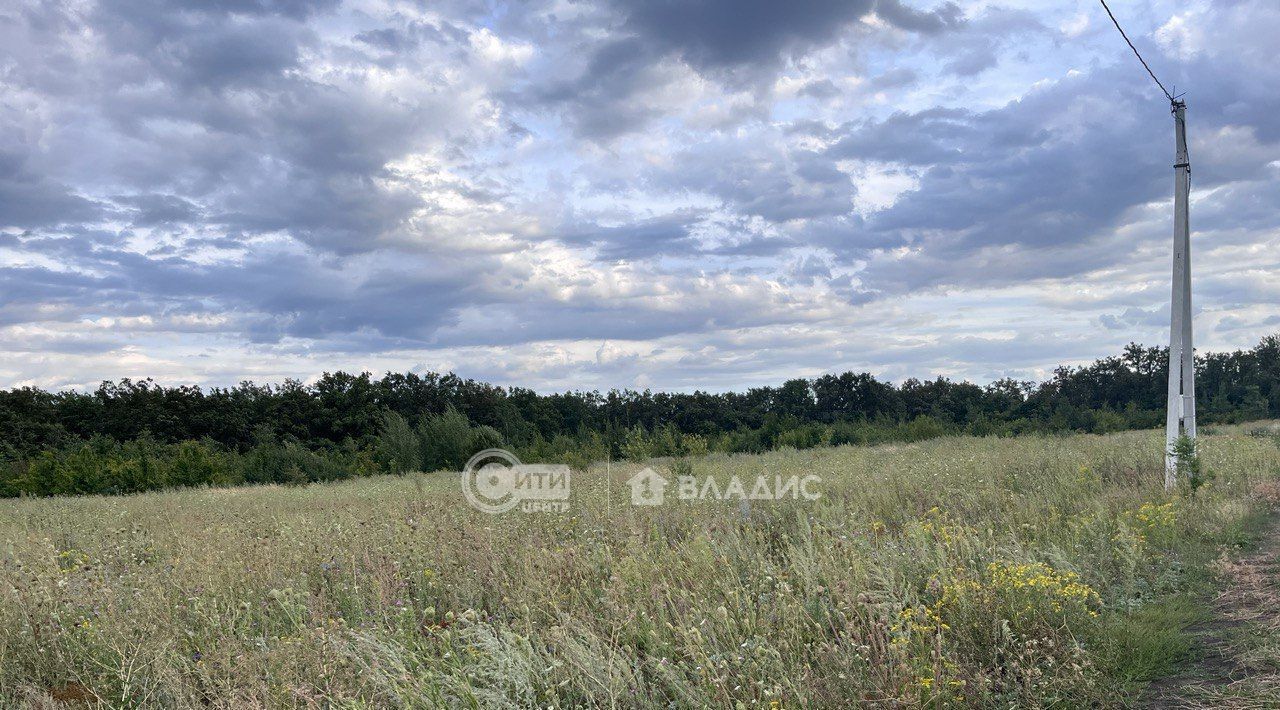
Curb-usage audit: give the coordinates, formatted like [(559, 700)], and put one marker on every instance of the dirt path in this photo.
[(1238, 664)]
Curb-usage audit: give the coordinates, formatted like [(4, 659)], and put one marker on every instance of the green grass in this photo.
[(1157, 639), (959, 571), (1150, 642)]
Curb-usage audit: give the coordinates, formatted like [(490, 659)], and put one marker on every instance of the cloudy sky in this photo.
[(622, 193)]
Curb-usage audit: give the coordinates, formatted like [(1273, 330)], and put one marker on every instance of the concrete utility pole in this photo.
[(1182, 355), (1182, 367)]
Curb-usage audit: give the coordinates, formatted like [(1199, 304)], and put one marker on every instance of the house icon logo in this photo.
[(647, 487)]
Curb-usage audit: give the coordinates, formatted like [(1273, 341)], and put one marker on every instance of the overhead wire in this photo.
[(1136, 53)]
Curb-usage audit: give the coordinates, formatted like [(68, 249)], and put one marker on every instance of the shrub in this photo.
[(196, 463), (445, 440), (922, 428), (13, 472), (398, 448), (589, 448), (667, 441), (847, 433), (804, 437), (1106, 421), (483, 437), (745, 441), (637, 446), (138, 467), (1189, 464), (288, 462), (693, 445)]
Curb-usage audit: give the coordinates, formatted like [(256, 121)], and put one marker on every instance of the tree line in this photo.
[(129, 436)]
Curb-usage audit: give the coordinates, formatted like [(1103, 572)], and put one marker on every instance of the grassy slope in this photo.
[(956, 571)]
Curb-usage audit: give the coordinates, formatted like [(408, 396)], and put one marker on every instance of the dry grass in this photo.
[(956, 571)]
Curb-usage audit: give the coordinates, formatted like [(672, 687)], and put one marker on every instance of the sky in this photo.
[(666, 194)]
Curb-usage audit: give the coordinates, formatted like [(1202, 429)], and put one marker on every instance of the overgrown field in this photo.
[(957, 571)]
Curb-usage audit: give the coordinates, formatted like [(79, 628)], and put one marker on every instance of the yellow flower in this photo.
[(1060, 589)]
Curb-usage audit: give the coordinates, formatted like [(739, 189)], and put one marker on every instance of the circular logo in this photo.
[(488, 483)]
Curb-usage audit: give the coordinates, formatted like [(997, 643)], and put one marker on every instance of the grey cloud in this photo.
[(977, 46), (270, 298), (600, 101), (642, 239), (537, 320), (1136, 317), (846, 235), (42, 344), (389, 39), (947, 16), (734, 41), (895, 78), (399, 46), (973, 62), (391, 302), (685, 233), (26, 286), (996, 183), (715, 35), (767, 179), (202, 105), (752, 246), (1239, 210), (29, 200), (1044, 180), (820, 89), (297, 9), (718, 34), (237, 54), (207, 46), (151, 210), (199, 126), (808, 270)]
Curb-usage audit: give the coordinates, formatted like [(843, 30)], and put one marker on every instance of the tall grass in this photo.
[(955, 571)]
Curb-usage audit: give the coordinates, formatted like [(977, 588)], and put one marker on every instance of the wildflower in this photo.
[(1060, 589)]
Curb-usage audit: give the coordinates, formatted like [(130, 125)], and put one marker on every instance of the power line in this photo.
[(1135, 51)]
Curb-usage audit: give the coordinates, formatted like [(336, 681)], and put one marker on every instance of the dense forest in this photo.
[(131, 436)]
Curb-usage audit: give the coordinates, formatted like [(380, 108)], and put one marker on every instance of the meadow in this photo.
[(959, 571)]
